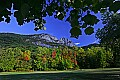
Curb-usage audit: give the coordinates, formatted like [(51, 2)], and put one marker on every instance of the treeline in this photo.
[(62, 58), (14, 40)]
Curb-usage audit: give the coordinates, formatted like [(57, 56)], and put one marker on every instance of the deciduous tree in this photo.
[(109, 36)]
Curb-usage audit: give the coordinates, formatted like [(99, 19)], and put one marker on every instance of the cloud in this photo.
[(77, 43)]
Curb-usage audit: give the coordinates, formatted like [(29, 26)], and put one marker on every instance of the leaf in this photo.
[(68, 19), (19, 17), (78, 4), (36, 29), (89, 30), (25, 9), (75, 23), (87, 2), (1, 19), (103, 10), (115, 6), (60, 16), (50, 13), (84, 25), (75, 32), (106, 3), (60, 9), (49, 10), (8, 20), (17, 4), (96, 7), (90, 19), (44, 14)]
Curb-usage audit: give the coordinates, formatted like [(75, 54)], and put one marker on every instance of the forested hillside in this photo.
[(13, 40), (47, 40)]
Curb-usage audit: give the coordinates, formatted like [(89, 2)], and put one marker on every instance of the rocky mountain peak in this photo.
[(49, 40)]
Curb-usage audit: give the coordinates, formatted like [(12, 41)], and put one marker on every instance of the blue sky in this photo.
[(54, 27)]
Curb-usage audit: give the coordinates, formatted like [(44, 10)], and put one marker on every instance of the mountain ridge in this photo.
[(42, 39)]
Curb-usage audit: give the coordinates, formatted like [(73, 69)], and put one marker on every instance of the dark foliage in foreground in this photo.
[(72, 11)]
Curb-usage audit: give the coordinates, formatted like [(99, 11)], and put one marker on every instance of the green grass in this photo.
[(83, 74)]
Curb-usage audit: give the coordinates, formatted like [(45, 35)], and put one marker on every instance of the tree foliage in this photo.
[(110, 34), (62, 58), (94, 57), (76, 12), (7, 60)]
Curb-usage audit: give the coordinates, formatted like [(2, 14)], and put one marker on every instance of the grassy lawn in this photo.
[(84, 74)]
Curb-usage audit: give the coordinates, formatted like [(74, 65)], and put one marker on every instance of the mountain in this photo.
[(47, 40)]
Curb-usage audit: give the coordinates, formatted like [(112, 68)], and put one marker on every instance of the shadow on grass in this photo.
[(63, 76)]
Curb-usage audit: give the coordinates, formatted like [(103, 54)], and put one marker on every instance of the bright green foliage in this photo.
[(45, 59), (62, 58), (67, 58), (35, 10), (40, 58), (7, 60), (22, 59), (26, 55)]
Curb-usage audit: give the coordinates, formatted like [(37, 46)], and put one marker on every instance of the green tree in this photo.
[(23, 59), (94, 57), (41, 58), (7, 60), (31, 10), (81, 57), (109, 36)]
